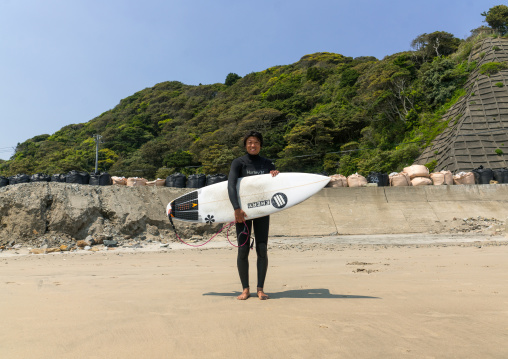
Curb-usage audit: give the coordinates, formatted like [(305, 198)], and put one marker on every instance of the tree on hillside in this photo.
[(307, 143), (231, 78), (435, 44), (217, 159), (479, 31), (497, 18)]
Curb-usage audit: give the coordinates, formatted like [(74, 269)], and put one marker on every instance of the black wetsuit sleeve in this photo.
[(234, 174), (271, 166)]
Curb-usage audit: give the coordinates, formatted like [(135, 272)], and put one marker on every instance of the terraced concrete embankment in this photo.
[(477, 131), (390, 210)]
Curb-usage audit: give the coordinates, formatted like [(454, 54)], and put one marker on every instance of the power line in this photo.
[(97, 139)]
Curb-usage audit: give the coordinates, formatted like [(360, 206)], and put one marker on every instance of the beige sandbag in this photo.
[(337, 181), (437, 178), (157, 182), (356, 180), (416, 171), (136, 181), (421, 181), (400, 179), (463, 178), (448, 178), (119, 180), (442, 178)]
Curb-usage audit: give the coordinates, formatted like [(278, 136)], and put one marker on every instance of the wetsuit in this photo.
[(250, 165)]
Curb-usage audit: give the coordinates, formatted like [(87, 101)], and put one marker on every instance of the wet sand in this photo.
[(342, 297)]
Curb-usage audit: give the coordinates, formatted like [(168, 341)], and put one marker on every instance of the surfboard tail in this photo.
[(184, 208), (169, 209)]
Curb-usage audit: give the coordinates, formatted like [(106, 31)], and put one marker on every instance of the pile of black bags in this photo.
[(485, 175), (178, 180), (79, 177)]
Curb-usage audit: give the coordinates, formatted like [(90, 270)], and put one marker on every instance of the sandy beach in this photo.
[(331, 297)]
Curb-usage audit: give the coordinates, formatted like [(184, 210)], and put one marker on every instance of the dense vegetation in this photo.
[(326, 112), (497, 18)]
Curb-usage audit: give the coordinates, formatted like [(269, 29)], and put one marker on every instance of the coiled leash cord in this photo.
[(228, 226)]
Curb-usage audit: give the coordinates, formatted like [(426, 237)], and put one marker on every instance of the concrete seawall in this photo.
[(29, 211), (390, 210)]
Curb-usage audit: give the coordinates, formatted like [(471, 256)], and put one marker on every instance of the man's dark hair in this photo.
[(256, 134)]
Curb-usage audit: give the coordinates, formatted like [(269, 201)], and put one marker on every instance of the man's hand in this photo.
[(240, 215), (274, 173)]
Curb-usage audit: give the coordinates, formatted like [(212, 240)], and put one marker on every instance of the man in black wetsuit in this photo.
[(249, 165)]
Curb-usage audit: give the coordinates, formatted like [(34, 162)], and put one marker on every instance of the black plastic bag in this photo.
[(212, 179), (483, 175), (58, 178), (4, 181), (170, 181), (78, 177), (40, 177), (180, 180), (501, 175), (196, 181), (381, 179), (177, 180), (19, 178), (101, 179)]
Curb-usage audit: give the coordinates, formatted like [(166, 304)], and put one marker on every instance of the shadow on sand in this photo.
[(299, 293)]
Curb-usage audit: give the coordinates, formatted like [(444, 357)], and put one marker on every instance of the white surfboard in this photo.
[(259, 196)]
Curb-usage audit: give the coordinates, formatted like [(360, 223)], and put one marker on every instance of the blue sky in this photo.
[(68, 61)]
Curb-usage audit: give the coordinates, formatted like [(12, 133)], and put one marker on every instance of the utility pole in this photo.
[(97, 139)]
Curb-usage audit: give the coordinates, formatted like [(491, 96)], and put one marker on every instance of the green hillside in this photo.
[(326, 112)]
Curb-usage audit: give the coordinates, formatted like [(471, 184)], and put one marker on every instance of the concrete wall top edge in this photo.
[(494, 192)]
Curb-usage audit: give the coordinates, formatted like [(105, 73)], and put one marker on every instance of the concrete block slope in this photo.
[(478, 122)]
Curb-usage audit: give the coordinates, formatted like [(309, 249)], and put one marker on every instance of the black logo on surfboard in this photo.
[(262, 203), (209, 219), (279, 200)]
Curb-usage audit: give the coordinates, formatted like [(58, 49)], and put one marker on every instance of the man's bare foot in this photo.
[(245, 294), (262, 295)]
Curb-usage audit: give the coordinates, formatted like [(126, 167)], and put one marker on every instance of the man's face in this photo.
[(252, 145)]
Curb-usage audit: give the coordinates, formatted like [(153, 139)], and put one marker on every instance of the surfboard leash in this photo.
[(247, 238), (228, 226)]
